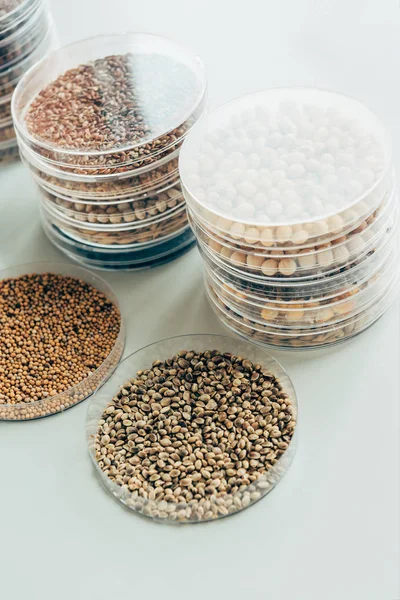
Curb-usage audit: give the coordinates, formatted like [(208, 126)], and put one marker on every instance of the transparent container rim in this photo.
[(320, 275), (386, 137), (12, 19), (106, 200), (52, 268), (283, 347), (378, 263), (36, 161), (76, 249), (377, 294), (163, 185), (388, 211), (92, 420), (12, 143), (235, 317), (139, 246), (102, 38), (296, 282), (21, 64), (378, 274), (37, 21), (312, 240), (48, 206), (18, 11)]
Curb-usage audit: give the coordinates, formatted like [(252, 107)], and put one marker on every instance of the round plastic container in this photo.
[(324, 261), (118, 212), (110, 185), (308, 292), (188, 512), (292, 198), (104, 188), (13, 15), (151, 89), (27, 36), (297, 315), (311, 339), (54, 404), (117, 258), (287, 158), (286, 238), (124, 236), (10, 77), (25, 39)]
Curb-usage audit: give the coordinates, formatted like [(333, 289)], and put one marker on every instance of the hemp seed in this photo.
[(190, 471)]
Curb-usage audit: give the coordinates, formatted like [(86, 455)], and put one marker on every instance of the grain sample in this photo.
[(197, 436), (55, 332)]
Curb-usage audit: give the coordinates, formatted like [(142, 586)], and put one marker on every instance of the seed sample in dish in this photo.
[(285, 157), (197, 436), (56, 331), (113, 103)]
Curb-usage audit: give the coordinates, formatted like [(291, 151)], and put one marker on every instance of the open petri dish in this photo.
[(63, 399), (245, 462)]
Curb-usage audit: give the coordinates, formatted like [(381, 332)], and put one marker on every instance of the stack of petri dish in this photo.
[(100, 124), (292, 197), (26, 35)]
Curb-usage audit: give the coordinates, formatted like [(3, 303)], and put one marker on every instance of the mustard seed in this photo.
[(55, 331)]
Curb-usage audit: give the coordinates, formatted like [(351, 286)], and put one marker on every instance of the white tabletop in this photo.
[(330, 530)]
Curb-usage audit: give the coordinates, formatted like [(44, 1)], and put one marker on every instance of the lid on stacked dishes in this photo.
[(286, 190), (26, 34), (100, 124)]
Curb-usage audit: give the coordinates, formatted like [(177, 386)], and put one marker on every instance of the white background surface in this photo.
[(330, 531)]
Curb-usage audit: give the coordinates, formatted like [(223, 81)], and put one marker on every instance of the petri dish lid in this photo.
[(123, 92), (285, 156)]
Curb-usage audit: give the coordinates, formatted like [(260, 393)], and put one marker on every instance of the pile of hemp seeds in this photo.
[(196, 437)]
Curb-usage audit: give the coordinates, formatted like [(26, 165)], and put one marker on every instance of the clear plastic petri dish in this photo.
[(13, 14), (104, 185), (291, 238), (138, 214), (150, 88), (10, 77), (342, 285), (124, 237), (313, 314), (159, 200), (312, 340), (57, 403), (311, 290), (25, 38), (124, 259), (230, 494), (324, 255), (288, 157), (322, 263)]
